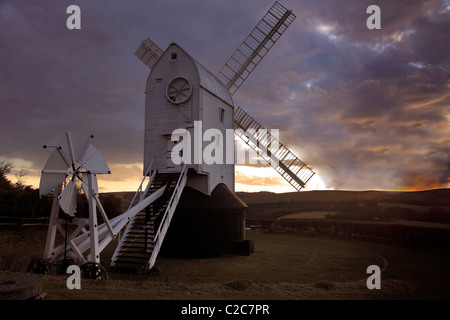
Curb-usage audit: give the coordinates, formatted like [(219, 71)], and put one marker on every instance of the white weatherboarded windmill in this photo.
[(194, 197)]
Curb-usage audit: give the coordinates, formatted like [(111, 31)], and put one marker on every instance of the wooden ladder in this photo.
[(145, 233)]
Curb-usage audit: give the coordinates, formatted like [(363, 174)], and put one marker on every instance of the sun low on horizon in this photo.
[(247, 179), (127, 178)]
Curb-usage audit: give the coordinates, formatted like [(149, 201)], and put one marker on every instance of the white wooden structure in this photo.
[(78, 159), (200, 96), (181, 94)]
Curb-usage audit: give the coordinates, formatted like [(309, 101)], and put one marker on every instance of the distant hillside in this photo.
[(430, 205), (437, 197), (420, 218)]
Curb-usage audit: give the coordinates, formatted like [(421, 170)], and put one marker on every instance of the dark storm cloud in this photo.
[(54, 79), (366, 108)]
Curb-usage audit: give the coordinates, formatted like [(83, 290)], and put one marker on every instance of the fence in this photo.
[(19, 222)]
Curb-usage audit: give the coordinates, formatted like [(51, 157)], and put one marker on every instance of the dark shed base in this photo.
[(207, 226)]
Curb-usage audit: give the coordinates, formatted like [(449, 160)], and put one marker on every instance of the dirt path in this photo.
[(385, 262)]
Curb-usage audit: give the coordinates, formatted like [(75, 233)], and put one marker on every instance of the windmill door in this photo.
[(171, 167)]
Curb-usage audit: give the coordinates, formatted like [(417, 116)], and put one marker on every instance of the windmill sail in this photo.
[(149, 52), (236, 71), (255, 47), (76, 158), (286, 163)]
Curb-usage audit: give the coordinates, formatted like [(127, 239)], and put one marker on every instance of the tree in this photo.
[(19, 200), (5, 169), (20, 176)]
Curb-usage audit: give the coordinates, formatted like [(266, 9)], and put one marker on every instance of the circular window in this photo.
[(179, 90)]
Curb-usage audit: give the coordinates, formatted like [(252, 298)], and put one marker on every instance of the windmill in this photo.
[(199, 204), (74, 161), (233, 74)]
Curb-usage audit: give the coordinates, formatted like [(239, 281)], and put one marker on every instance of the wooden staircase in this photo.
[(143, 237)]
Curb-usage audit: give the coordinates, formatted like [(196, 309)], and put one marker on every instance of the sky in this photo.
[(367, 109)]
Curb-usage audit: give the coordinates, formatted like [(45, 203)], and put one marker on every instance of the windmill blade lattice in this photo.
[(255, 47), (284, 161), (148, 52), (233, 74)]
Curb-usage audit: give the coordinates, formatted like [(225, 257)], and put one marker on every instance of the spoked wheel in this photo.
[(92, 270)]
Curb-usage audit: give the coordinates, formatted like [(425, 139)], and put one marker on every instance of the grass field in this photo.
[(308, 215), (283, 266), (323, 214), (422, 224)]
